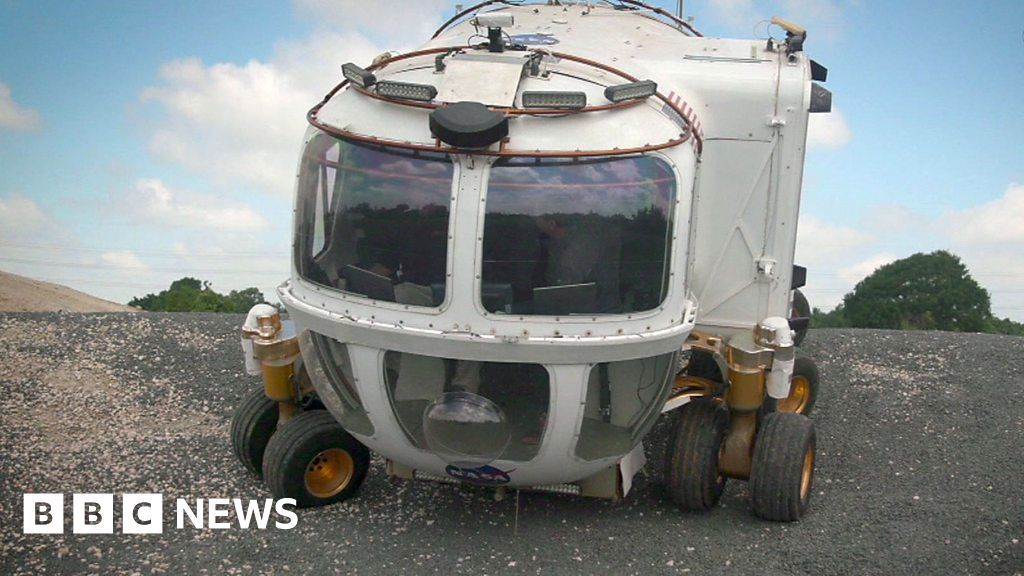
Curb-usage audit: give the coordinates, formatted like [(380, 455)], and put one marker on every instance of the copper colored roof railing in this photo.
[(314, 120)]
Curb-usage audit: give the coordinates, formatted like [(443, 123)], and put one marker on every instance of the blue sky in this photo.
[(143, 141)]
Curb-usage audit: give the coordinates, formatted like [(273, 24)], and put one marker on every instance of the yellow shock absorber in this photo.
[(277, 385), (277, 348), (747, 362)]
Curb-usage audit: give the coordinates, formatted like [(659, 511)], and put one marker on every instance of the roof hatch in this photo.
[(490, 79)]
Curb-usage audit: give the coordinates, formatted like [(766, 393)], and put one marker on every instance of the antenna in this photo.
[(679, 8)]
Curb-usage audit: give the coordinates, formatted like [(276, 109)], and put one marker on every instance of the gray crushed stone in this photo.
[(920, 469)]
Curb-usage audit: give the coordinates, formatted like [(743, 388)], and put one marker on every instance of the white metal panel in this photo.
[(490, 79), (731, 207)]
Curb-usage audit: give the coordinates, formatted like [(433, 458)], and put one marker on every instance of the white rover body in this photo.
[(505, 240)]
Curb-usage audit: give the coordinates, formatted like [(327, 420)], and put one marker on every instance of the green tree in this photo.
[(921, 292), (194, 295), (834, 319), (242, 300), (1005, 326)]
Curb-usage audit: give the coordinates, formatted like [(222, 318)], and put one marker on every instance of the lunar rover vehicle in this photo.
[(517, 246)]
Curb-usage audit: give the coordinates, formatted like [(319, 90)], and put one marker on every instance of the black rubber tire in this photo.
[(703, 365), (252, 426), (691, 456), (805, 367), (776, 472), (295, 445), (801, 309)]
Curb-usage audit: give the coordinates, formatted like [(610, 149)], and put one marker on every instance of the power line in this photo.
[(175, 269), (154, 252)]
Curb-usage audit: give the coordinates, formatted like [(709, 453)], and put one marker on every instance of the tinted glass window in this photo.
[(374, 221), (330, 370), (577, 237), (520, 391), (624, 400)]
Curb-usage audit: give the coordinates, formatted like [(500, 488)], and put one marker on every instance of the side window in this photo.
[(373, 221)]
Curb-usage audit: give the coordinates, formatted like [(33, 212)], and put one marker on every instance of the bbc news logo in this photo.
[(144, 513)]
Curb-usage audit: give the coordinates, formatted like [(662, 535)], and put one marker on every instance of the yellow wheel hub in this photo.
[(799, 394), (807, 474), (329, 472)]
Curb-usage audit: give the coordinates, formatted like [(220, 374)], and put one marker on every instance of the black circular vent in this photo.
[(468, 125)]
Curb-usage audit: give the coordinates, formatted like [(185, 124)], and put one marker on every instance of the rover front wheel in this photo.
[(315, 461), (252, 425), (803, 388), (782, 470), (691, 457)]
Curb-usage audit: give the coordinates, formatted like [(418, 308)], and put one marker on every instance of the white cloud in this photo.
[(154, 201), (998, 221), (893, 218), (828, 131), (314, 64), (990, 239), (402, 21), (735, 13), (822, 243), (21, 217), (1000, 270), (16, 117), (233, 122), (125, 259), (822, 18), (857, 272), (243, 124), (832, 255)]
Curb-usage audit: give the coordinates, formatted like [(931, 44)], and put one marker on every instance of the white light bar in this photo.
[(406, 90), (560, 100), (631, 91), (357, 75), (495, 20)]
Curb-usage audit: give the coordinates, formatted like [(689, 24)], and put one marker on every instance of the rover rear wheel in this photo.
[(252, 425), (803, 388), (801, 309), (315, 461), (782, 471), (691, 457)]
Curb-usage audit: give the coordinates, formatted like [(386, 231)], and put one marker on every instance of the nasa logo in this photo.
[(485, 475), (534, 39)]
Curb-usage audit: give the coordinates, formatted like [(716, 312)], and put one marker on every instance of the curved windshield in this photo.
[(577, 237), (374, 221)]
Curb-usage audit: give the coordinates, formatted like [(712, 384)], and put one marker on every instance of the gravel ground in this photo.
[(920, 469)]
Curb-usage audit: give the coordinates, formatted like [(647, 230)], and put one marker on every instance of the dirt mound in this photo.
[(20, 294)]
